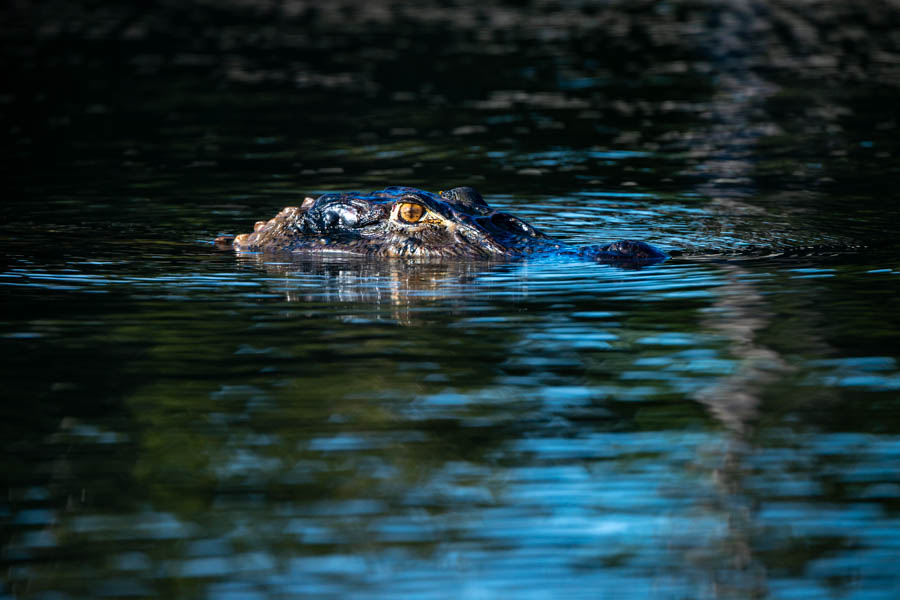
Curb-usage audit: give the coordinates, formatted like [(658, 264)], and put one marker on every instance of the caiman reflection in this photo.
[(408, 222), (379, 289)]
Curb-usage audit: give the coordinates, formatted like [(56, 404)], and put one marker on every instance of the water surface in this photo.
[(183, 422)]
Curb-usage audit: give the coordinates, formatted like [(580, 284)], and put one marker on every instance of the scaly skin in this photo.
[(408, 222)]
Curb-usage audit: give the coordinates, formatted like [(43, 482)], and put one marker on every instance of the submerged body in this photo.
[(408, 222)]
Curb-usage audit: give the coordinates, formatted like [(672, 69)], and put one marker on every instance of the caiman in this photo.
[(408, 222)]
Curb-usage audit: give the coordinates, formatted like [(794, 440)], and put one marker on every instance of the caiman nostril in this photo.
[(329, 220), (342, 216)]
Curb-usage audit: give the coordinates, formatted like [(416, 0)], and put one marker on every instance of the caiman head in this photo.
[(397, 221)]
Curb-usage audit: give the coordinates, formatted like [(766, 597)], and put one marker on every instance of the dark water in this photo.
[(181, 422)]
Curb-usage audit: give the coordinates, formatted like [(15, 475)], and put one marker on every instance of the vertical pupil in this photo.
[(411, 212)]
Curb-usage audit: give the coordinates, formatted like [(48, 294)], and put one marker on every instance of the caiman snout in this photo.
[(408, 222)]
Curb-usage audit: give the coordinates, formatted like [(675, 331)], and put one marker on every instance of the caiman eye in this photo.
[(410, 212)]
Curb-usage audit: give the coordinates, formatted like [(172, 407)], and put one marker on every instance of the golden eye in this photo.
[(410, 212)]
